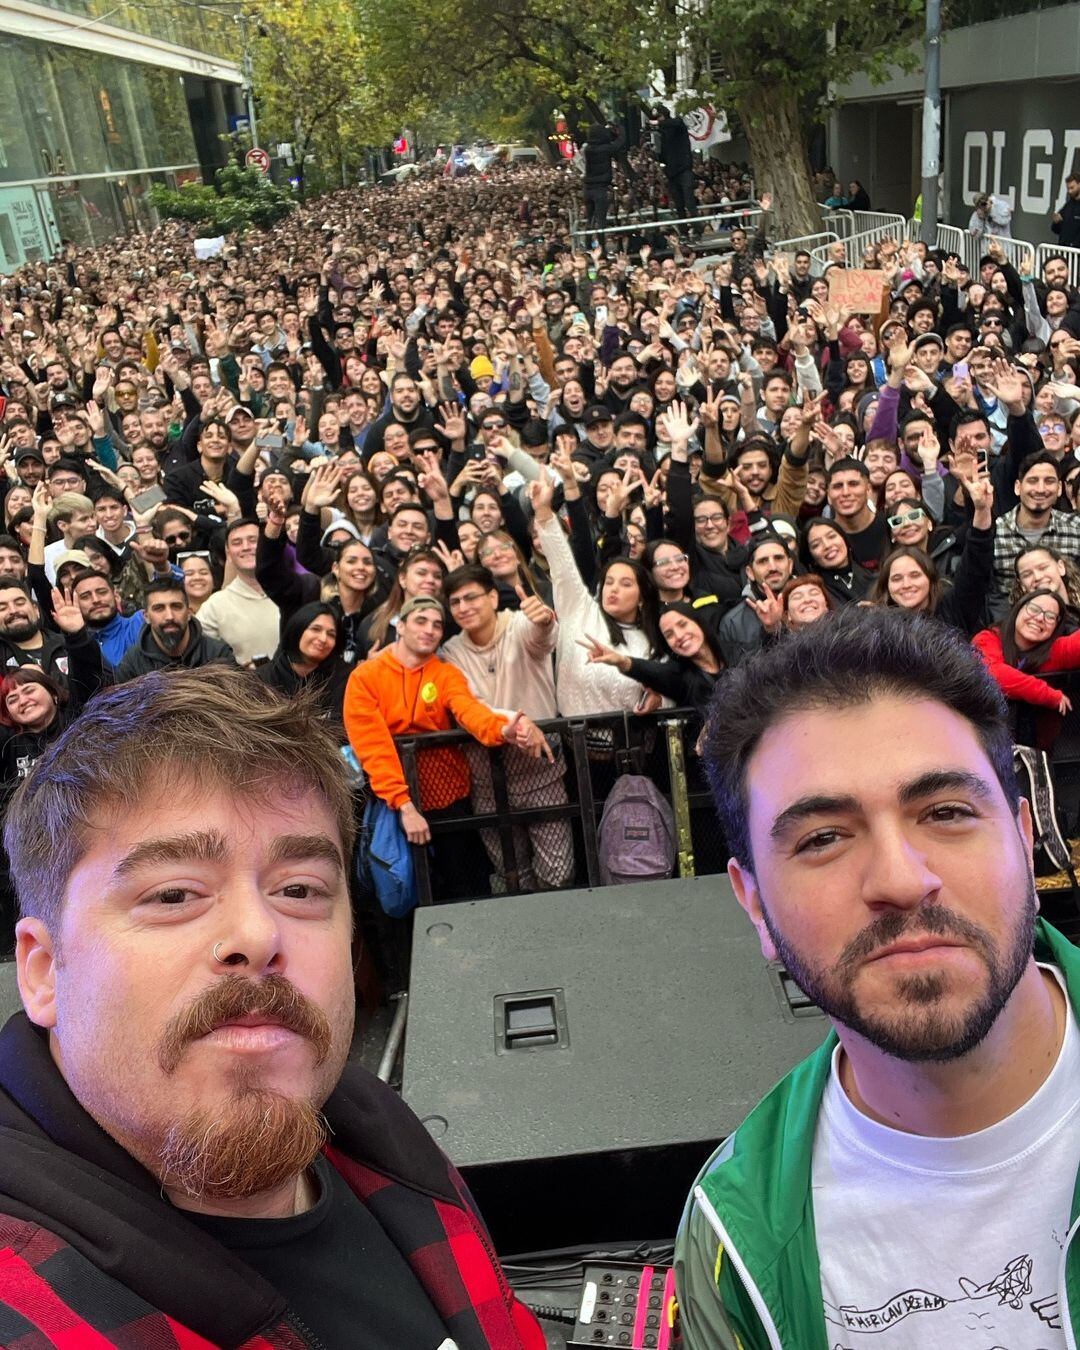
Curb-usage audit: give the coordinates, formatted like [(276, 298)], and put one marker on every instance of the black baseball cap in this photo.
[(596, 413)]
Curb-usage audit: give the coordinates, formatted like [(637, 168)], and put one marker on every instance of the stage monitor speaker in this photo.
[(578, 1054)]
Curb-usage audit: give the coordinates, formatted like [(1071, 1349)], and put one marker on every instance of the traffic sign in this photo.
[(259, 157)]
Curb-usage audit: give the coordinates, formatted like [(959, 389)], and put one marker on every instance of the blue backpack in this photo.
[(385, 859)]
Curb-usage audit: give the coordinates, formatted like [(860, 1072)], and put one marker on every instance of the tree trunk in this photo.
[(778, 158)]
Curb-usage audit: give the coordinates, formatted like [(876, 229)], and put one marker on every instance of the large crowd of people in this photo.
[(416, 455)]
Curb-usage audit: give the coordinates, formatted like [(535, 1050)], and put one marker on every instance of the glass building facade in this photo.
[(93, 112)]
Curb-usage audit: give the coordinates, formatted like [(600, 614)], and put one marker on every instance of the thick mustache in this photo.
[(932, 920), (235, 996)]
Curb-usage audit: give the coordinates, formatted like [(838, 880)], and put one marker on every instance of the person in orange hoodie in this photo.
[(407, 689)]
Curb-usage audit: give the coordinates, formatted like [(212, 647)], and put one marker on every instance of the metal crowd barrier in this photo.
[(841, 220), (808, 242), (889, 227), (884, 221), (740, 203), (953, 239), (596, 750), (1071, 256), (717, 221)]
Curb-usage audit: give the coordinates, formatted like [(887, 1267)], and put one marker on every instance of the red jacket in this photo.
[(1018, 684)]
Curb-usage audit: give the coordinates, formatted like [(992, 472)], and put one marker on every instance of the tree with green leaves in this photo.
[(312, 61), (240, 197), (518, 53)]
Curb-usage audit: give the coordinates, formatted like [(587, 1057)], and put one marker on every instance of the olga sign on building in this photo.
[(1017, 141)]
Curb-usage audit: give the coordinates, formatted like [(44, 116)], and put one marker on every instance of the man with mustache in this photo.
[(913, 1179), (188, 1158), (172, 636)]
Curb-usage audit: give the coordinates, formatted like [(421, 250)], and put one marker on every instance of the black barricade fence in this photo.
[(1027, 721), (503, 823)]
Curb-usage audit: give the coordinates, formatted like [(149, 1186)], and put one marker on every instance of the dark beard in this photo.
[(918, 1031), (171, 642), (22, 632)]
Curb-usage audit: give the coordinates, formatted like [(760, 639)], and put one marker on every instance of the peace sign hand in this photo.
[(599, 655)]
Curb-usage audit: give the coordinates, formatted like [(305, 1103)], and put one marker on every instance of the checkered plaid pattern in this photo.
[(53, 1296), (1062, 534), (451, 1255)]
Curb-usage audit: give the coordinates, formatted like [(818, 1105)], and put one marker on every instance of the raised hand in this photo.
[(542, 494), (220, 494), (452, 558), (678, 424), (899, 350), (1007, 385), (600, 655), (96, 419), (811, 409), (980, 489), (432, 480), (41, 503), (534, 608), (323, 487), (770, 611), (66, 612), (102, 383)]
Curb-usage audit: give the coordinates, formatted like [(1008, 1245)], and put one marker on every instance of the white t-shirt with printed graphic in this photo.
[(953, 1242)]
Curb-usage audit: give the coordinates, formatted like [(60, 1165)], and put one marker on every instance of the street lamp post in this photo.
[(931, 125)]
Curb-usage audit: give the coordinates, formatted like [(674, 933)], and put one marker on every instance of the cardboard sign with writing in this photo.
[(857, 290)]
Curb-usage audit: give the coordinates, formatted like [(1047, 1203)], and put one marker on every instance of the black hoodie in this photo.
[(62, 1175), (327, 680)]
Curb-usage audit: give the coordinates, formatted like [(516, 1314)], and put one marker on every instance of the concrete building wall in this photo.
[(1011, 121)]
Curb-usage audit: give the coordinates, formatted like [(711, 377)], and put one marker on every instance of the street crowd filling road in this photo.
[(422, 457)]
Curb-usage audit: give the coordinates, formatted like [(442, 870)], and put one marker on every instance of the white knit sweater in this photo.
[(582, 688)]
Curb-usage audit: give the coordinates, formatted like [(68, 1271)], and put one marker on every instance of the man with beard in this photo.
[(154, 428), (23, 642), (623, 382), (172, 636), (759, 619), (917, 1172), (406, 409), (115, 633), (190, 1156)]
